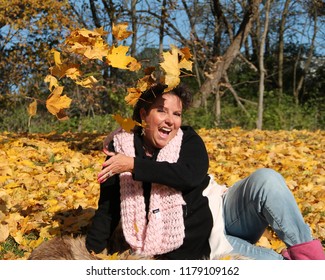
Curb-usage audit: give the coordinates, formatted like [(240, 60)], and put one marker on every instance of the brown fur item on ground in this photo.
[(69, 248), (62, 248)]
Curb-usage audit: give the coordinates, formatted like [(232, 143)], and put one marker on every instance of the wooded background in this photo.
[(257, 64)]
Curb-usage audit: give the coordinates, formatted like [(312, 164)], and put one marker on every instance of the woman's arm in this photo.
[(115, 163), (189, 171)]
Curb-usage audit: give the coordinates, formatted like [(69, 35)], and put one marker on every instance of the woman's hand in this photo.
[(116, 164)]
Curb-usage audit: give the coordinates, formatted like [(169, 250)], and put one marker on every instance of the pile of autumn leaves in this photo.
[(48, 182)]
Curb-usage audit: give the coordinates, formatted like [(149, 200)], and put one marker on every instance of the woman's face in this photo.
[(163, 120)]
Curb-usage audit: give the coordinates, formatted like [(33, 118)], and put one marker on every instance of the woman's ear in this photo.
[(143, 114)]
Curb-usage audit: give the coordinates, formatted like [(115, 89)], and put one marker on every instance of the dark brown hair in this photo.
[(149, 96)]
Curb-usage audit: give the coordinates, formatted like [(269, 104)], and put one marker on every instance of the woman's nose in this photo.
[(169, 119)]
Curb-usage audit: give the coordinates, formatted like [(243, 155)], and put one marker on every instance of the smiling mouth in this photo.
[(164, 131)]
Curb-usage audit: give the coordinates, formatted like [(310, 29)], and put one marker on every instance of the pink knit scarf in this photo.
[(164, 231)]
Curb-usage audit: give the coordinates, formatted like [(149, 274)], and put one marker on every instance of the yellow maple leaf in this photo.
[(88, 43), (87, 82), (264, 242), (134, 65), (56, 102), (73, 72), (133, 96), (53, 82), (142, 85), (32, 108), (174, 60), (87, 33), (119, 31), (126, 123), (185, 64), (4, 232), (77, 48), (97, 51), (146, 82), (5, 168), (32, 244), (18, 236), (57, 57), (117, 58), (171, 68), (100, 31)]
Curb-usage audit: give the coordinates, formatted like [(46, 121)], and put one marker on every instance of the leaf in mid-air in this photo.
[(133, 96), (32, 108), (57, 57), (73, 72), (97, 51), (146, 82), (87, 43), (174, 60), (56, 102), (126, 123), (187, 53), (53, 82), (117, 58), (87, 82), (119, 31)]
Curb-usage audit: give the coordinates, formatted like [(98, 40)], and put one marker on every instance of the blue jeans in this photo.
[(255, 202)]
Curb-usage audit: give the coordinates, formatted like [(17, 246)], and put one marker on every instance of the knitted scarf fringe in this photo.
[(165, 229)]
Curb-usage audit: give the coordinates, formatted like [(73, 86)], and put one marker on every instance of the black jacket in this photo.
[(188, 175)]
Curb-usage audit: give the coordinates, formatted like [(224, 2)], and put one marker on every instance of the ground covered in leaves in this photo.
[(48, 182)]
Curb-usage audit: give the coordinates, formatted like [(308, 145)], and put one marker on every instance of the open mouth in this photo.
[(164, 132)]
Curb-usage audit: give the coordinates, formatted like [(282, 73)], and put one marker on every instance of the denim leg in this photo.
[(260, 200), (244, 248)]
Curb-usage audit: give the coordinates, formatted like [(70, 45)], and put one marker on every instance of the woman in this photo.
[(155, 182)]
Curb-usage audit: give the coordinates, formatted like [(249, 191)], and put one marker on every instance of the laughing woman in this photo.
[(155, 183)]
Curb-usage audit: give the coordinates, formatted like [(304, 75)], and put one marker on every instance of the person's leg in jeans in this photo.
[(255, 202)]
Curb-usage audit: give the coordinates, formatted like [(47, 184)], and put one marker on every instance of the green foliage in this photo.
[(10, 245), (95, 124), (278, 115), (283, 115), (199, 118), (287, 115), (17, 121)]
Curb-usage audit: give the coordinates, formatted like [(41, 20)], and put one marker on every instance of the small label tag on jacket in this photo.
[(156, 212)]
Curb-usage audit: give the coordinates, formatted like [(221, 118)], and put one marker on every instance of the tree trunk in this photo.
[(161, 28), (219, 21), (93, 9), (281, 47), (221, 64), (261, 66), (194, 38), (217, 105), (308, 60), (111, 72), (134, 24)]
